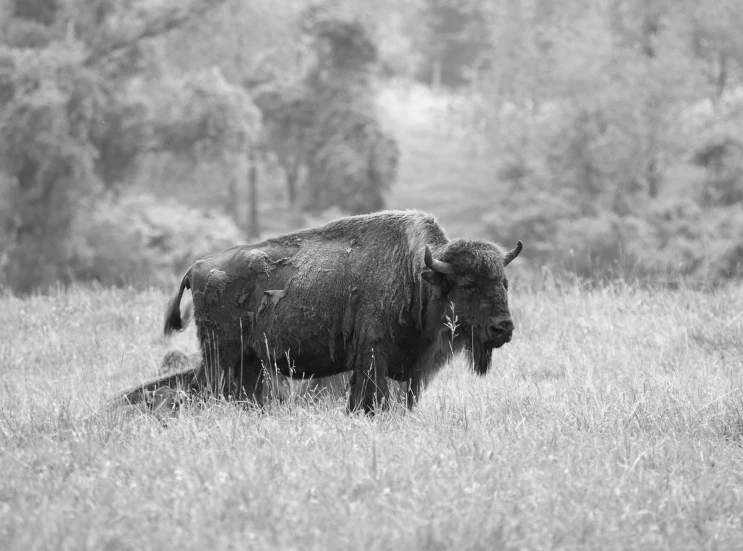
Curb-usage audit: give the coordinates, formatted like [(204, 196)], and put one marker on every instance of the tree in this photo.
[(69, 126), (721, 159), (45, 147), (716, 41), (454, 40), (203, 117), (351, 162), (597, 111), (324, 123), (288, 118)]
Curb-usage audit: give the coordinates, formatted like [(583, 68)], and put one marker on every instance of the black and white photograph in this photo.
[(371, 274)]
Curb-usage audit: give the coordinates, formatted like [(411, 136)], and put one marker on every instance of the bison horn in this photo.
[(513, 253), (437, 265)]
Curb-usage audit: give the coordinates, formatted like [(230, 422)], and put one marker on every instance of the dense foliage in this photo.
[(619, 141), (324, 123), (609, 131), (165, 235), (78, 108)]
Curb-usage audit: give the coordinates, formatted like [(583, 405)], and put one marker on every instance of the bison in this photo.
[(381, 295)]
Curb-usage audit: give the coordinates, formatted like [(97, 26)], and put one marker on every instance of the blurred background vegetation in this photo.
[(139, 135)]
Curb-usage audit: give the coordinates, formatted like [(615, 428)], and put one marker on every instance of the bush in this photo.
[(141, 240), (704, 244), (722, 160), (49, 101), (664, 242)]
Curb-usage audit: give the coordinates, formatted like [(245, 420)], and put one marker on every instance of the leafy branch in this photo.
[(152, 27)]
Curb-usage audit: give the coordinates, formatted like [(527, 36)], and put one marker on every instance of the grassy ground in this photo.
[(614, 420)]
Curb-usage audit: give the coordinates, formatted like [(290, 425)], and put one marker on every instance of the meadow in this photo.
[(614, 420)]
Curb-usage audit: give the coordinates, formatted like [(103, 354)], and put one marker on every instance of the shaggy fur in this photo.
[(352, 295)]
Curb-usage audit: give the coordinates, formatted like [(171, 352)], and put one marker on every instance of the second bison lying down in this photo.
[(377, 295)]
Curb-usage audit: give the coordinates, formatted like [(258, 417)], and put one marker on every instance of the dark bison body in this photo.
[(373, 294)]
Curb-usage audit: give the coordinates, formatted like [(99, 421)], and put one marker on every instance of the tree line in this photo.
[(612, 127), (87, 96)]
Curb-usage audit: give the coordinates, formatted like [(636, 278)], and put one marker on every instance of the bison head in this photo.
[(470, 276)]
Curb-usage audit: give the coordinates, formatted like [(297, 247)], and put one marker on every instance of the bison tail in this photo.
[(173, 321)]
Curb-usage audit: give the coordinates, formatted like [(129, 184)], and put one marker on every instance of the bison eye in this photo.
[(505, 283), (466, 284)]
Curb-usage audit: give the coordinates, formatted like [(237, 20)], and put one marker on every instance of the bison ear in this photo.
[(434, 278)]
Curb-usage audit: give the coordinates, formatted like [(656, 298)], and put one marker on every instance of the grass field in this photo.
[(614, 420)]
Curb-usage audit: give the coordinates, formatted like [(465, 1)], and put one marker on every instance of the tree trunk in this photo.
[(654, 179), (292, 175), (650, 28), (254, 230), (722, 75), (233, 200), (436, 75)]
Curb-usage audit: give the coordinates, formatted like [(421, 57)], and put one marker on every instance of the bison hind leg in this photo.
[(219, 355), (412, 392)]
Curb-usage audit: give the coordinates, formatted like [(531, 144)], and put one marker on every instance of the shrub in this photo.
[(141, 240), (665, 241)]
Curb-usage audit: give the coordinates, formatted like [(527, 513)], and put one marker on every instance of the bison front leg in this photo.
[(368, 384), (415, 386), (417, 377)]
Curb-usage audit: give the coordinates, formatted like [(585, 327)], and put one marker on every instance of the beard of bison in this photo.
[(479, 353), (481, 357)]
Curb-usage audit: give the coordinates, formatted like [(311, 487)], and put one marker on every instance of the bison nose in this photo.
[(501, 330)]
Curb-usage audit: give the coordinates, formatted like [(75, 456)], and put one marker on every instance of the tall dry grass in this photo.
[(614, 420)]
